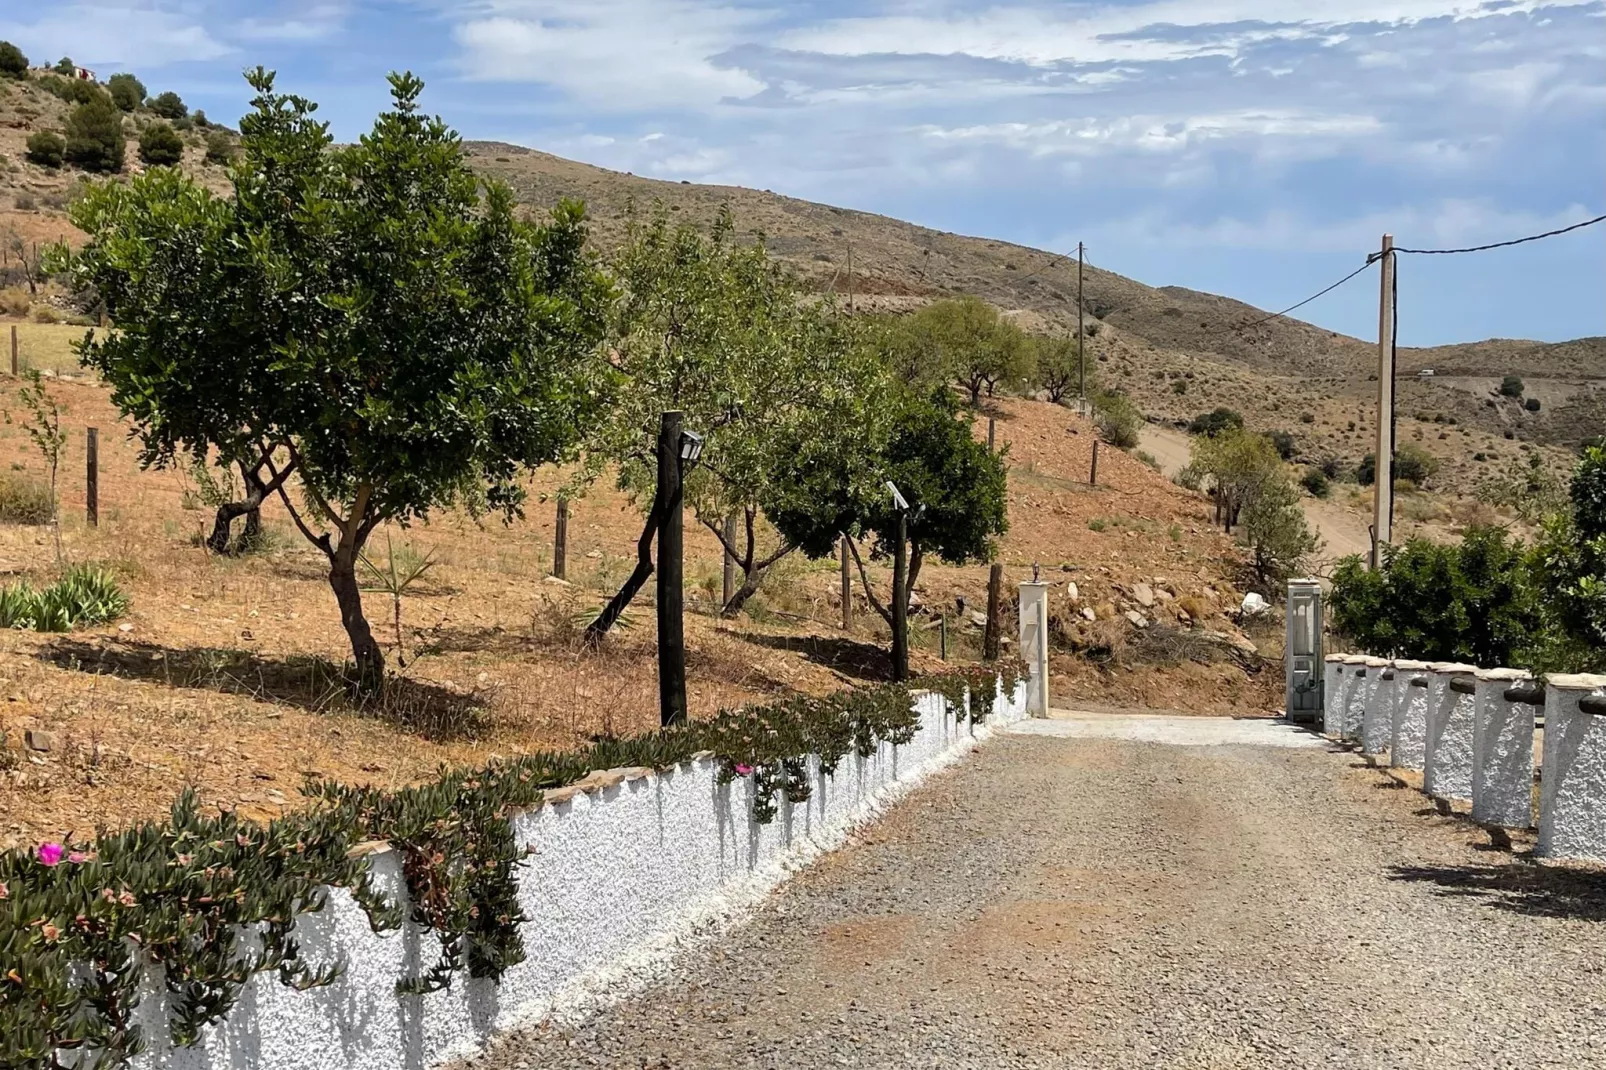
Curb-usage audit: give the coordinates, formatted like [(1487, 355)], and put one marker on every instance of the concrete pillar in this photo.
[(1034, 644), (1332, 692), (1378, 723), (1572, 786), (1361, 681), (1447, 760), (1502, 752), (1408, 740)]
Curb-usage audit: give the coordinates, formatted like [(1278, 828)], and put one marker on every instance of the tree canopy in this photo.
[(365, 316)]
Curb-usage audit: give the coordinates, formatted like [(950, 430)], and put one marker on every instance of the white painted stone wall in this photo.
[(1447, 765), (1408, 741), (618, 879), (1572, 790), (1503, 752), (1377, 723), (1360, 683), (1332, 692)]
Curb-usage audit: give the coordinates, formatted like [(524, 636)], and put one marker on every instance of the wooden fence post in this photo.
[(847, 587), (560, 541), (16, 365), (1093, 475), (728, 573), (92, 478), (992, 427), (995, 597)]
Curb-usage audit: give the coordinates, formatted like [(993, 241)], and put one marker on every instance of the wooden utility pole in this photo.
[(1081, 339), (671, 623), (1383, 484), (560, 541), (900, 600), (92, 478), (847, 587), (1093, 472), (728, 586), (995, 607)]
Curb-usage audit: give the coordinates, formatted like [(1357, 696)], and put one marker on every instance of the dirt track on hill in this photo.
[(1095, 902)]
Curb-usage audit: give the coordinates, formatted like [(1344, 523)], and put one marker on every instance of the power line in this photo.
[(1298, 304), (1503, 244)]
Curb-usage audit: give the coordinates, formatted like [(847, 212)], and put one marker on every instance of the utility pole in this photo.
[(671, 625), (1081, 338), (1383, 483)]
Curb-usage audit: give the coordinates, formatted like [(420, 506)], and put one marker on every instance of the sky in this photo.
[(1254, 148)]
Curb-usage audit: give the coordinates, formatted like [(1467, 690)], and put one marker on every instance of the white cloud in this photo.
[(142, 35), (1155, 134), (312, 23), (632, 54)]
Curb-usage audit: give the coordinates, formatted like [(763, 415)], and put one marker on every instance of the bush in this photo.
[(46, 148), (1216, 421), (95, 136), (1532, 404), (24, 501), (219, 148), (1414, 463), (169, 105), (1284, 443), (1179, 386), (1316, 483), (85, 596), (65, 66), (1275, 531), (72, 90), (1511, 387), (160, 145), (127, 92), (1117, 419), (13, 64), (1472, 602)]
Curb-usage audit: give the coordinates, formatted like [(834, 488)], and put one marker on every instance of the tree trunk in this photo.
[(249, 507), (365, 652), (751, 578), (616, 606)]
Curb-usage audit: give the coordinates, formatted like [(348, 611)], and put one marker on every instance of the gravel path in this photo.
[(1097, 902)]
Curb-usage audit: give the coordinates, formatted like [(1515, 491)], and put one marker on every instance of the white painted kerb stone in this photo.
[(1447, 765), (1503, 752), (1408, 742), (1572, 791), (1377, 723), (618, 879)]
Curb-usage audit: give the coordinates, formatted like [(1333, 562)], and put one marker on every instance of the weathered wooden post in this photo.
[(995, 608), (560, 541), (728, 586), (1093, 474), (847, 587), (16, 364), (92, 478), (992, 428)]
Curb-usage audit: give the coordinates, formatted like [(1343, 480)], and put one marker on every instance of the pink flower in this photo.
[(742, 769), (49, 853)]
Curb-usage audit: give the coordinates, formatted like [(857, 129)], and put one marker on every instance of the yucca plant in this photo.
[(85, 595), (403, 567)]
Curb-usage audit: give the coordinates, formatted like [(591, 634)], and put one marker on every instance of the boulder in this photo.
[(1144, 594)]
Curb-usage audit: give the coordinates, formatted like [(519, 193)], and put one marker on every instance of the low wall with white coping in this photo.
[(1377, 723), (1408, 739), (1447, 759), (1572, 789), (1503, 752), (618, 878)]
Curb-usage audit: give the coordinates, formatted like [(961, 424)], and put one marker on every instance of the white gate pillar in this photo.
[(1034, 644), (1447, 770), (1378, 722), (1572, 802), (1503, 750), (1409, 738)]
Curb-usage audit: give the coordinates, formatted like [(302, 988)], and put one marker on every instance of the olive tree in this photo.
[(393, 334), (719, 330)]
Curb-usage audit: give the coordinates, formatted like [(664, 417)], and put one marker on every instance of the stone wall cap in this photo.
[(1504, 674), (1354, 659), (1376, 663), (1335, 657), (1410, 666), (1576, 681), (1452, 667)]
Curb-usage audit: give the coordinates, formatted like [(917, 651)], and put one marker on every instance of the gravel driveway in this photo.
[(1101, 902)]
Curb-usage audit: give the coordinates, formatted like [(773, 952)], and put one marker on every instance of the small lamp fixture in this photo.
[(898, 499), (691, 447), (1035, 573)]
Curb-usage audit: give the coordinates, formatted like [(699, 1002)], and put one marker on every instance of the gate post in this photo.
[(1034, 644)]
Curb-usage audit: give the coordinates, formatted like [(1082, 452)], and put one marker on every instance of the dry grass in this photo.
[(45, 347)]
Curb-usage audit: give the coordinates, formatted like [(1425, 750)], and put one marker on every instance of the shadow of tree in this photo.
[(311, 683), (1520, 887), (862, 661)]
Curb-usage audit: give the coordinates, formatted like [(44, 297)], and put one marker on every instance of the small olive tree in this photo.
[(392, 336)]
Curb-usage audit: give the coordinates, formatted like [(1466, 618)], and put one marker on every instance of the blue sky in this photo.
[(1255, 148)]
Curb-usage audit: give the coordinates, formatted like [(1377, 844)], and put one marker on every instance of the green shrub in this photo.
[(1216, 421), (24, 500), (46, 148), (169, 105), (13, 64), (1532, 404), (66, 67), (1511, 386), (1284, 443), (72, 90), (1315, 482), (160, 145), (219, 147), (127, 92), (85, 596), (1117, 419), (95, 135), (1179, 386)]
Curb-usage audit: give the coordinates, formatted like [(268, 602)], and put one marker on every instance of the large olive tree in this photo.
[(370, 320)]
